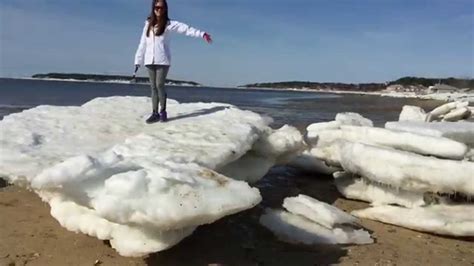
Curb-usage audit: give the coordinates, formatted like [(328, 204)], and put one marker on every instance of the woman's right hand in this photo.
[(207, 38)]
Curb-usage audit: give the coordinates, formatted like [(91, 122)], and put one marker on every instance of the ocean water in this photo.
[(293, 107), (238, 239)]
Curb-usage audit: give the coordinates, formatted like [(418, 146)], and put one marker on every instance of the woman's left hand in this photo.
[(207, 38)]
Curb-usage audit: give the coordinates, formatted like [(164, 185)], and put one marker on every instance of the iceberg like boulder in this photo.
[(426, 145), (108, 174), (412, 113), (128, 240), (297, 229), (457, 114), (459, 131), (348, 119), (375, 193), (407, 170), (401, 169), (457, 220), (444, 109), (162, 194), (317, 211), (353, 119), (310, 221)]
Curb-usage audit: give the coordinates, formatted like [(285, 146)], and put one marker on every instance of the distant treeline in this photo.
[(405, 81), (95, 77), (458, 83), (319, 86)]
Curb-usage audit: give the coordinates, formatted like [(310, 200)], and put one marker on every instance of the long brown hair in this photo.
[(161, 22)]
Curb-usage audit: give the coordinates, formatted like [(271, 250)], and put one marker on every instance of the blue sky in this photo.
[(255, 40)]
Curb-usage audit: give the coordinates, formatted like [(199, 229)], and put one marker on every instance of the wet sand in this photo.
[(30, 236)]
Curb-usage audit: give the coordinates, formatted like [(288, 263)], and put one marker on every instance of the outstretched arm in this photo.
[(187, 30)]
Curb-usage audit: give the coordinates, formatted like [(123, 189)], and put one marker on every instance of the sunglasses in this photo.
[(159, 7)]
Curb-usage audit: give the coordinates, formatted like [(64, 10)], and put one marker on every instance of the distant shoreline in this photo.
[(436, 96), (184, 84)]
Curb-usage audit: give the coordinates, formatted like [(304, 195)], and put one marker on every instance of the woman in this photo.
[(154, 52)]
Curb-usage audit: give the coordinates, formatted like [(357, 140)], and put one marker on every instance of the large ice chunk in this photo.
[(298, 229), (444, 109), (209, 133), (427, 145), (145, 187), (407, 170), (412, 113), (456, 220), (377, 194), (353, 119), (460, 131), (317, 211), (162, 194), (128, 240), (457, 114)]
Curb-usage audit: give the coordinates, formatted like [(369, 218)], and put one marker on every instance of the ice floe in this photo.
[(461, 131), (107, 174), (310, 221), (418, 163), (457, 220)]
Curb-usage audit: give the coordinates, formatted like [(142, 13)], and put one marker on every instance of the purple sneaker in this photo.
[(163, 116)]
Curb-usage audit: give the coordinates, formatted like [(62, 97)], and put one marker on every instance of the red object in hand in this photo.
[(207, 37)]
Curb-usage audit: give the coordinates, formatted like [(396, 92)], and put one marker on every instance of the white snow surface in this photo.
[(317, 211), (107, 174), (294, 228), (455, 220), (461, 131)]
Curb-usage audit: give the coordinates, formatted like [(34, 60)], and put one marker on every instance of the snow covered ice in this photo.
[(418, 163), (375, 193), (317, 211), (144, 187), (461, 131), (427, 145), (456, 220), (310, 221), (389, 166)]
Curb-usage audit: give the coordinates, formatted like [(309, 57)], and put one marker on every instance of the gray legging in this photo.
[(157, 74)]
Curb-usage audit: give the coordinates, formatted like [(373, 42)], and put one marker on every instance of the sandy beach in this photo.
[(30, 236)]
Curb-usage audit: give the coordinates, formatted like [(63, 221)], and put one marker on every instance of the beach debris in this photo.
[(143, 187), (309, 221)]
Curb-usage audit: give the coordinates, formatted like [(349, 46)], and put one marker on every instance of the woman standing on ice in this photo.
[(154, 52)]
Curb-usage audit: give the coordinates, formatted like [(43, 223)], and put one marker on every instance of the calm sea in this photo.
[(294, 107)]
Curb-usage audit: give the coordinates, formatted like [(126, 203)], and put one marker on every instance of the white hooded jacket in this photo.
[(155, 50)]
